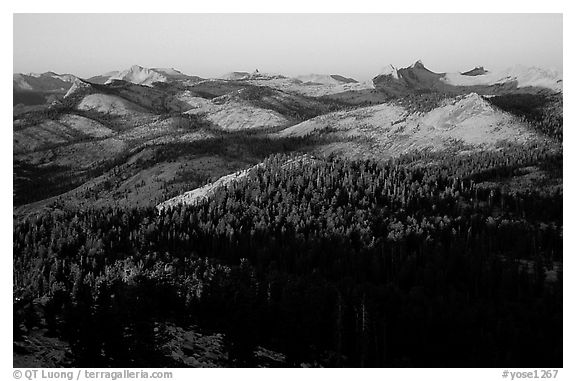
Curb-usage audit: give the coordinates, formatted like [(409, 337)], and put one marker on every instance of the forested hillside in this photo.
[(544, 113), (427, 260)]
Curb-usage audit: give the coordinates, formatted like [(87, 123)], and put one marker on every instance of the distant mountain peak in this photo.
[(139, 75), (325, 79), (418, 65), (478, 70), (389, 70), (48, 81), (77, 85), (143, 76), (417, 78)]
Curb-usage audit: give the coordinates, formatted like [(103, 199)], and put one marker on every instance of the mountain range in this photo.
[(391, 81), (81, 128), (417, 78)]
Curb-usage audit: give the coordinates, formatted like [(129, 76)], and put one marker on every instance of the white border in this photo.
[(296, 6)]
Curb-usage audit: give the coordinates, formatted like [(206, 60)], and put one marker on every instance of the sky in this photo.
[(354, 45)]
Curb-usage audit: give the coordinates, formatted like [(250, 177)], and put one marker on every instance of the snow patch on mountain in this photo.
[(523, 75), (139, 75), (169, 71), (389, 70)]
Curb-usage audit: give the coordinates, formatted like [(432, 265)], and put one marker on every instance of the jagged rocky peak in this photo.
[(389, 70), (418, 65)]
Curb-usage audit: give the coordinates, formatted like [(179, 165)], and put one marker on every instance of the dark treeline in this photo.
[(331, 262), (25, 97), (33, 182), (543, 112)]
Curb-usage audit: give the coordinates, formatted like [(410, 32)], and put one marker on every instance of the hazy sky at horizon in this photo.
[(356, 45)]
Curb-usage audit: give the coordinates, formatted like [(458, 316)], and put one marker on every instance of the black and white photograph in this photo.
[(287, 190)]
